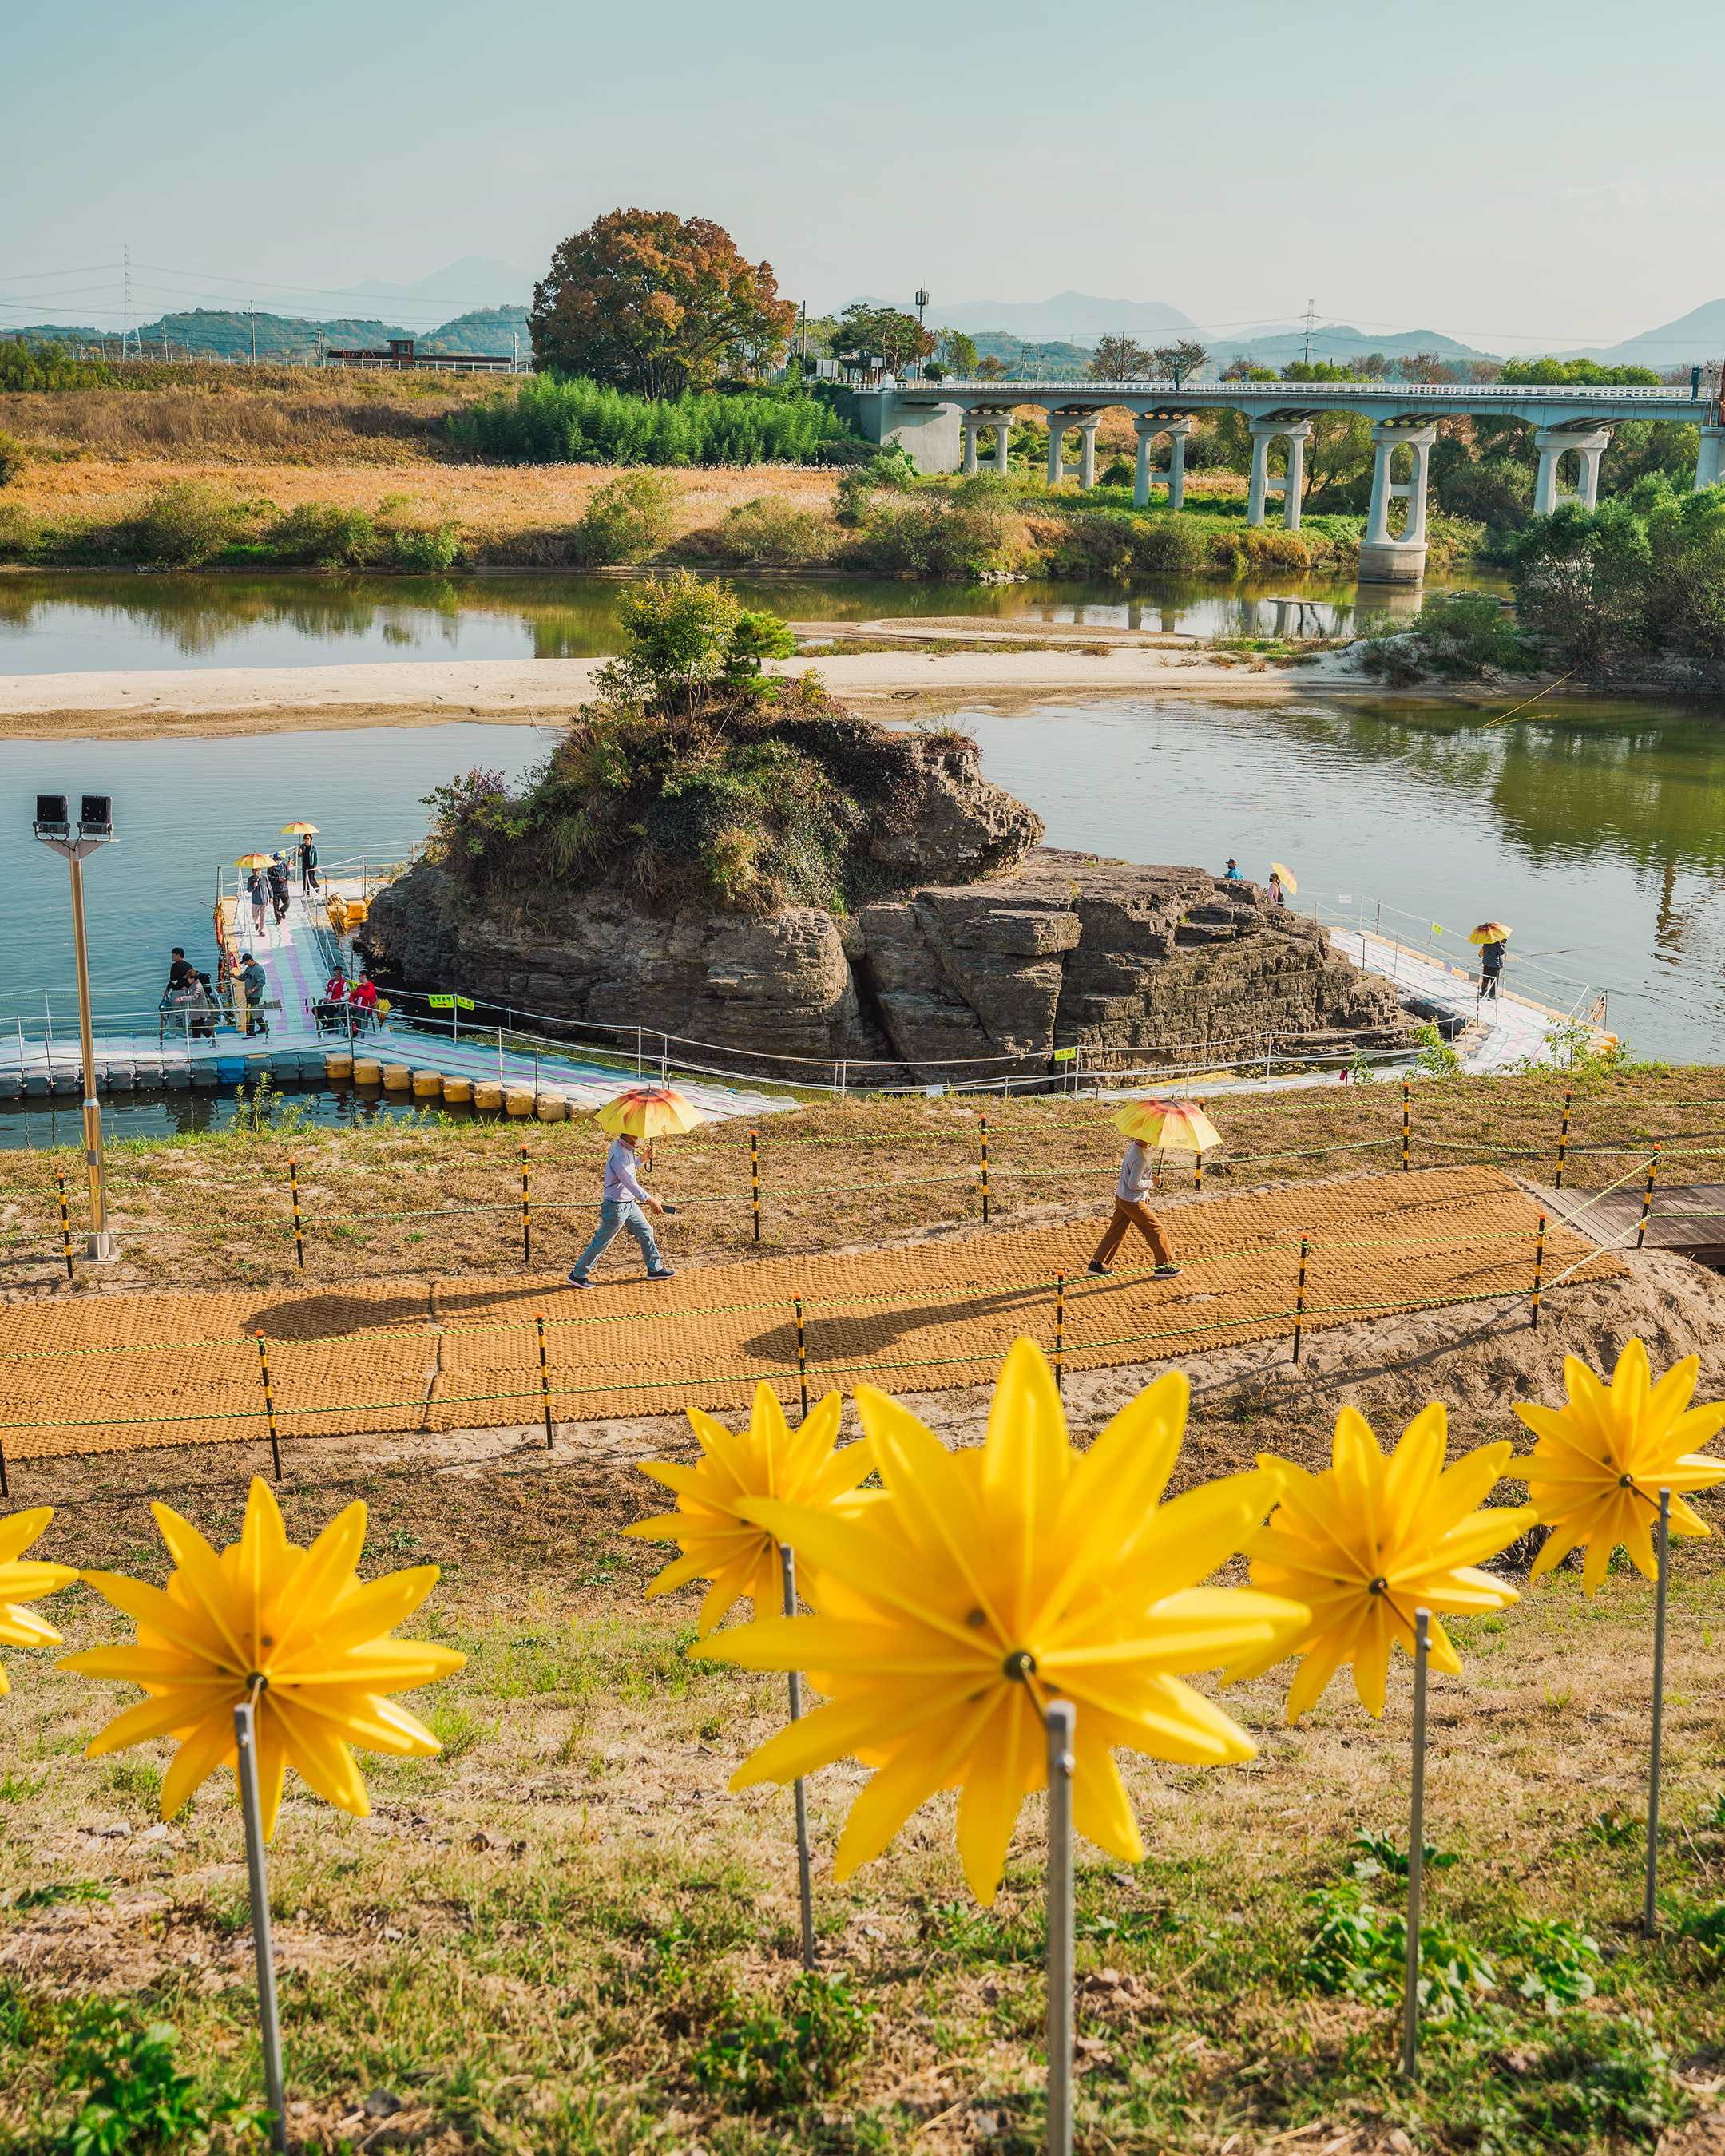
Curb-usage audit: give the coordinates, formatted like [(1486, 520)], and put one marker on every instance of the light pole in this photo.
[(922, 305), (95, 827)]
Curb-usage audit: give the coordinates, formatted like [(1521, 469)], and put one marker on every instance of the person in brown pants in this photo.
[(1130, 1211)]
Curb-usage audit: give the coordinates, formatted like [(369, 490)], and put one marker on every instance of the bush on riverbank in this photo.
[(1456, 636), (550, 419), (1646, 574)]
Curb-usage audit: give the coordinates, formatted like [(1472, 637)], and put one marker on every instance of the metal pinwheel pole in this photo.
[(1650, 1919), (805, 1889), (263, 1944), (1062, 1720), (1416, 1850)]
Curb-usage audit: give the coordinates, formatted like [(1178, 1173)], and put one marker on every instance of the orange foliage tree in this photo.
[(651, 302)]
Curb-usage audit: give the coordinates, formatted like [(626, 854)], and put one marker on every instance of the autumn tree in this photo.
[(898, 337), (1119, 359), (648, 301), (1179, 362), (956, 352)]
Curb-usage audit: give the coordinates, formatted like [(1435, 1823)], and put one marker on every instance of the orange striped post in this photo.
[(268, 1406), (1563, 1137), (1299, 1299), (802, 1361), (1538, 1269), (1059, 1331), (527, 1226), (544, 1377), (299, 1232), (1647, 1199), (65, 1227)]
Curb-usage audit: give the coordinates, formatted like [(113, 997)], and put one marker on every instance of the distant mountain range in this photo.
[(462, 285), (1074, 318), (1692, 339)]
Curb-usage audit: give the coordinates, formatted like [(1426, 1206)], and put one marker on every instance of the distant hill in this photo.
[(465, 284), (1691, 340), (213, 333), (1074, 318), (1338, 343)]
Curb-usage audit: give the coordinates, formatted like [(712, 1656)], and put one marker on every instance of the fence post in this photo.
[(1300, 1300), (65, 1225), (1059, 1331), (544, 1376), (268, 1406), (1538, 1269), (1407, 1112), (802, 1361), (299, 1231), (1197, 1160), (985, 1170), (1647, 1199), (527, 1225), (1564, 1137), (755, 1176)]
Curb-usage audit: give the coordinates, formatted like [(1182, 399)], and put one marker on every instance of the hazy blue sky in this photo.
[(1521, 175)]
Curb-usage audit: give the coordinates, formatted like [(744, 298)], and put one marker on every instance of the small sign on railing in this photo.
[(450, 1002), (1064, 1055)]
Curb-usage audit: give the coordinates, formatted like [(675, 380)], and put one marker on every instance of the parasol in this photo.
[(648, 1111), (1490, 931), (298, 830), (1288, 881), (1169, 1125), (254, 860)]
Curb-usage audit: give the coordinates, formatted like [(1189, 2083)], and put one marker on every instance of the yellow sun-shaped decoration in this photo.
[(292, 1629), (1371, 1540), (768, 1460), (21, 1583), (982, 1585), (1595, 1475)]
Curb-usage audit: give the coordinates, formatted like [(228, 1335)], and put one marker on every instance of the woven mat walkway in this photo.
[(117, 1373)]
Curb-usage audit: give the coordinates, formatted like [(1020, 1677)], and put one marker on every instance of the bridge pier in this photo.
[(1384, 560), (1148, 427), (999, 424), (1296, 432), (1551, 443), (1707, 460), (1085, 470)]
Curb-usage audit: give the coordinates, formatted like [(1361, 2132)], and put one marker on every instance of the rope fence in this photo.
[(1051, 1302)]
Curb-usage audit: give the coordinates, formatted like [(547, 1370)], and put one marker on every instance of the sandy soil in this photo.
[(244, 700)]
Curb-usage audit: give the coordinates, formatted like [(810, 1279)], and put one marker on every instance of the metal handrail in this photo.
[(1490, 392)]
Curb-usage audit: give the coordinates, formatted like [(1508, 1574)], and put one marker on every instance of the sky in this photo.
[(1521, 177)]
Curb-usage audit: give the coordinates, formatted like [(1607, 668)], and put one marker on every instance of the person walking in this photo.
[(257, 890), (308, 864), (179, 972), (620, 1208), (1491, 969), (278, 875), (1130, 1211)]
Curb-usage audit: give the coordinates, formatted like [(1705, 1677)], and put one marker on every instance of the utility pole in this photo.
[(126, 331), (254, 336), (1310, 305)]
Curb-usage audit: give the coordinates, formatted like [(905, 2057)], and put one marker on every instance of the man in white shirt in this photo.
[(1130, 1211), (621, 1208)]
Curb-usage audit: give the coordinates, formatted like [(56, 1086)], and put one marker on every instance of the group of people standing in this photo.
[(268, 884), (188, 999)]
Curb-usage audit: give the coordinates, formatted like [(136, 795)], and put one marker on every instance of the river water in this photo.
[(1596, 830), (60, 624)]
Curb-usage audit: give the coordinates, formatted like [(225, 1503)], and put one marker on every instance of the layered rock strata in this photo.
[(1127, 964)]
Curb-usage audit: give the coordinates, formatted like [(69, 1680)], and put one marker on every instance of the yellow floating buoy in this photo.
[(458, 1089), (427, 1085), (338, 1069), (358, 909), (551, 1109), (366, 1072), (398, 1077), (519, 1103), (488, 1097)]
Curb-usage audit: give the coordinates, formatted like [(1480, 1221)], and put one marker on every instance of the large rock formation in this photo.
[(1130, 965)]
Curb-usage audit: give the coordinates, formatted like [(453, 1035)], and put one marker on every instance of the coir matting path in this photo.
[(117, 1373)]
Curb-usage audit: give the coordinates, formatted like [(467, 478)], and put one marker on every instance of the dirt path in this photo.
[(121, 1373)]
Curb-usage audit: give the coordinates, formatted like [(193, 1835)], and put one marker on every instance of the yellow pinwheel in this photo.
[(1371, 1540), (1595, 1475), (718, 1541), (21, 1583), (291, 1629), (980, 1585)]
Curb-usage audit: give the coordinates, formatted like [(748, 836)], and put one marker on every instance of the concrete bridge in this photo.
[(949, 426)]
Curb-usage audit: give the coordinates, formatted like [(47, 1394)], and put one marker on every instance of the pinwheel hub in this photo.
[(1378, 1586), (1020, 1665)]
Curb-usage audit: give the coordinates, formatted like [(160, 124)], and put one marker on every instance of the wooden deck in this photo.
[(1689, 1217)]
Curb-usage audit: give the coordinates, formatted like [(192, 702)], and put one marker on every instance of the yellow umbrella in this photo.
[(648, 1111), (1169, 1125), (254, 860), (298, 830), (1288, 882), (1490, 931)]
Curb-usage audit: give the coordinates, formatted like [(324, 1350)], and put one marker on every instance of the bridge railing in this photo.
[(1304, 392)]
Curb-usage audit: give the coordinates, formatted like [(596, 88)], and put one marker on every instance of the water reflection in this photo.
[(49, 1120), (75, 623)]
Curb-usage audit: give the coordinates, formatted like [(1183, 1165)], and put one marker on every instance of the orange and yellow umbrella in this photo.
[(1289, 882), (1490, 931), (1169, 1125), (299, 830), (254, 860), (648, 1111)]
